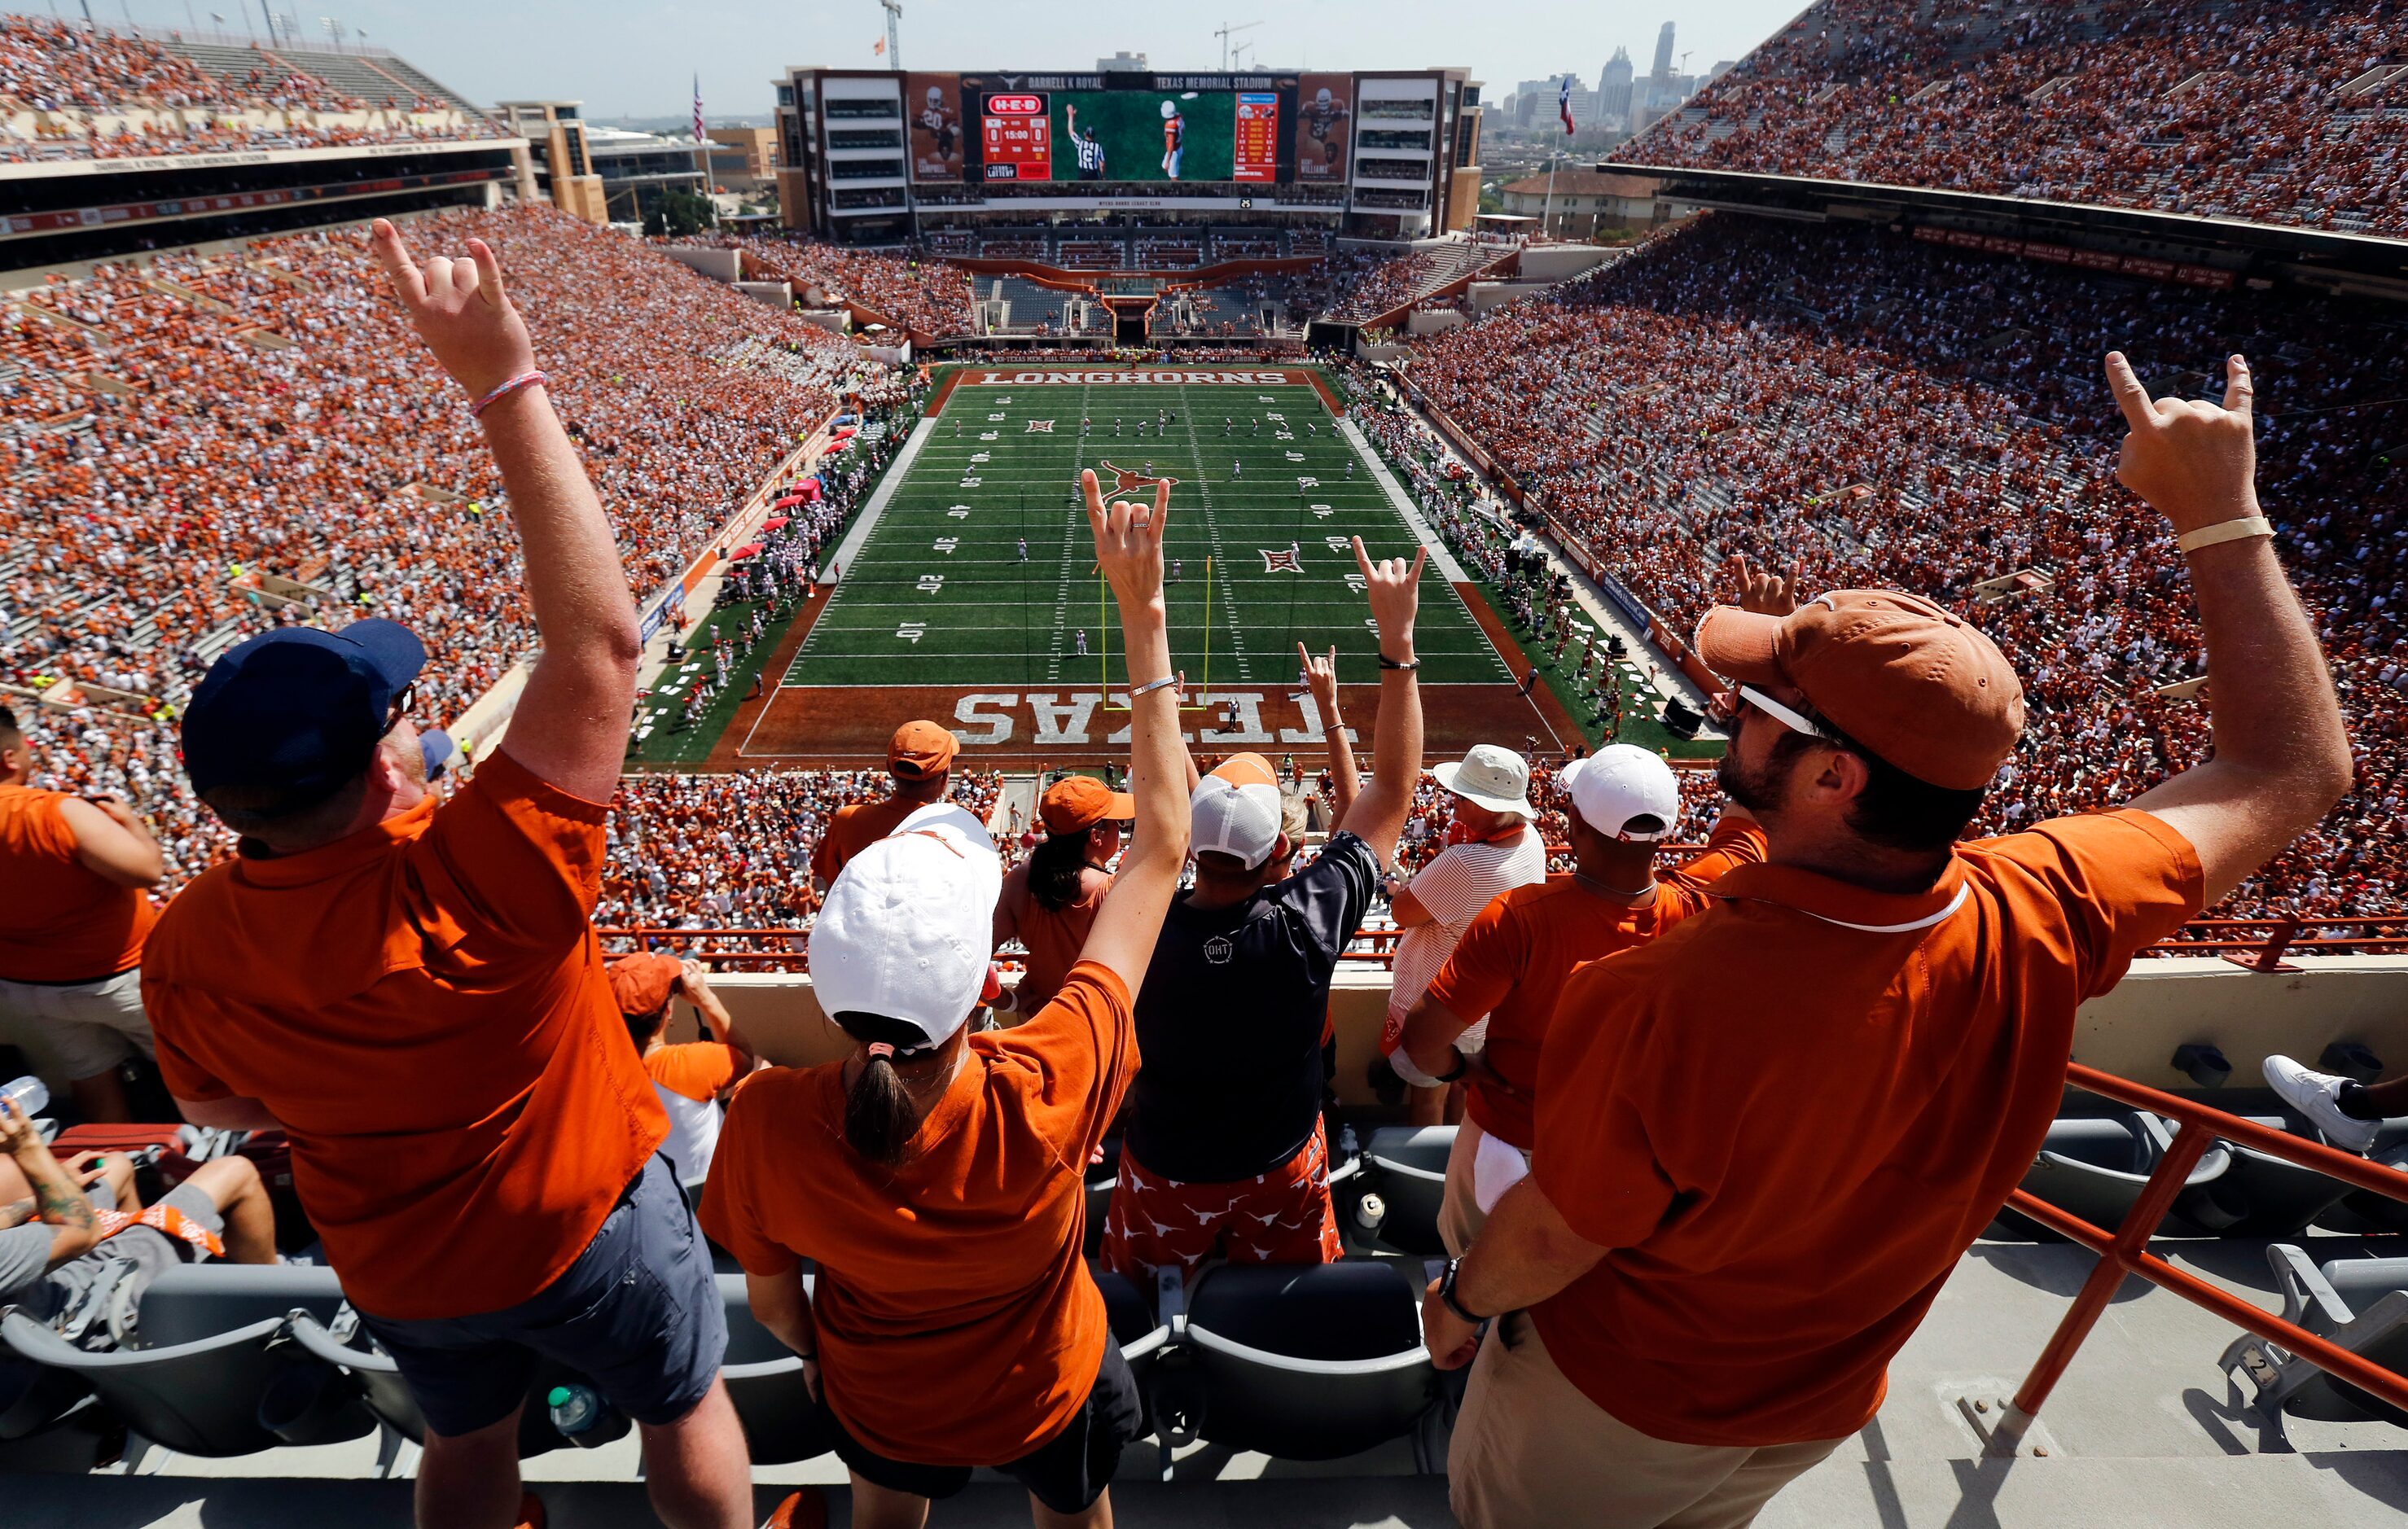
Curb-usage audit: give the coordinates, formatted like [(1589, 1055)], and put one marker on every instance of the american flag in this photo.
[(1563, 103), (697, 109)]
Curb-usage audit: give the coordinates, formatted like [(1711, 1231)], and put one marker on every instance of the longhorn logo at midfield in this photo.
[(1126, 481)]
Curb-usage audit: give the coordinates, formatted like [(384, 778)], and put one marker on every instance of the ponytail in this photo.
[(1056, 867), (880, 1118)]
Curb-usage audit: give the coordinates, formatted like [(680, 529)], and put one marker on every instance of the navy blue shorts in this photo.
[(637, 1314)]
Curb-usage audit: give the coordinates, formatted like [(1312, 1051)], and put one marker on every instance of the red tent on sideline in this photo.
[(751, 549), (776, 522)]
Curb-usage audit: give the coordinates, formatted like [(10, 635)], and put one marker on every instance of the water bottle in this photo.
[(28, 1094), (584, 1418)]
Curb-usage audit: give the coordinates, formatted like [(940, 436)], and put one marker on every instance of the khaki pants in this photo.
[(1459, 1216), (70, 1033), (1529, 1449)]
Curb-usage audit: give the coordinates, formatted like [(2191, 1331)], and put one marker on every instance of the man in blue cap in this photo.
[(413, 990)]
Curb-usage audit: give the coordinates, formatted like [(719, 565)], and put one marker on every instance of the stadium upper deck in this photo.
[(2293, 113), (113, 140)]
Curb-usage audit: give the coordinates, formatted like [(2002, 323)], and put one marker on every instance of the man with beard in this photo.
[(1705, 1277)]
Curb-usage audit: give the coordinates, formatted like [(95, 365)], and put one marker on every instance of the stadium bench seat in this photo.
[(2363, 1212), (2357, 1304), (2094, 1168), (1406, 1167), (1301, 1363), (2258, 1197), (212, 1377), (764, 1380), (342, 1345)]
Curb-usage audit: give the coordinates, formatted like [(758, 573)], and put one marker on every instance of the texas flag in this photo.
[(1564, 103)]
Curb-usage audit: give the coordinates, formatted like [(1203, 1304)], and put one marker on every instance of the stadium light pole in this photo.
[(894, 34)]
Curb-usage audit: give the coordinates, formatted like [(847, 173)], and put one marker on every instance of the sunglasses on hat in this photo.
[(1724, 710)]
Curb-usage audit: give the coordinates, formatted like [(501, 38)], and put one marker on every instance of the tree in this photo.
[(676, 211)]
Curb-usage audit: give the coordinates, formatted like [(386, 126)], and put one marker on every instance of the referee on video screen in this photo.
[(1090, 147)]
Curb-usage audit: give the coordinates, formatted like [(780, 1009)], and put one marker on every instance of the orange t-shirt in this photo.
[(424, 1005), (1055, 938), (1789, 1116), (855, 828), (696, 1070), (1512, 963), (60, 920), (958, 1323)]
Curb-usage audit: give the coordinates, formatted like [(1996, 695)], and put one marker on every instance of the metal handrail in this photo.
[(2124, 1250)]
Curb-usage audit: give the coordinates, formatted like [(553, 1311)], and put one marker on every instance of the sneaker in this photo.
[(2318, 1095)]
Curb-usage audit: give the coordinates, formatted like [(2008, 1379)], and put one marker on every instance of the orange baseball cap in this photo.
[(1916, 684), (1082, 801), (921, 750), (642, 983)]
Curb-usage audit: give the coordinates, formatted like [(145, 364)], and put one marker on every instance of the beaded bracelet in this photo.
[(524, 380)]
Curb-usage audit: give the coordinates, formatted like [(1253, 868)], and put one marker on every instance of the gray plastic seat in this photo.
[(2095, 1166), (764, 1380), (1406, 1166), (2357, 1304), (2259, 1195), (1309, 1362), (214, 1375), (2362, 1212)]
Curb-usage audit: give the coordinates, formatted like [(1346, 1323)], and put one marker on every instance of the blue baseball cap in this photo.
[(298, 709)]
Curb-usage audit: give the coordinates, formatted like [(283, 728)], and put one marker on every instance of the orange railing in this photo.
[(2125, 1249)]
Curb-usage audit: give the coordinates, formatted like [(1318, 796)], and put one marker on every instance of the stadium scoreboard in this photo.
[(1149, 129)]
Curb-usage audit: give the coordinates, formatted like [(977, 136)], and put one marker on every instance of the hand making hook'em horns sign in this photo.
[(1128, 541), (459, 309), (2196, 460), (1392, 587)]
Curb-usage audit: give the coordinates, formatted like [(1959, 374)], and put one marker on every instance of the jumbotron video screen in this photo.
[(1155, 130)]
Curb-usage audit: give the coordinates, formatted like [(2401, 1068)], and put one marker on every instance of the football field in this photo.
[(974, 598)]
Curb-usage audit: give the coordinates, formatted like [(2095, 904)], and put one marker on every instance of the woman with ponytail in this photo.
[(936, 1175), (1050, 900)]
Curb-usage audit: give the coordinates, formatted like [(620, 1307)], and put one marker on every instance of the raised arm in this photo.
[(1320, 679), (570, 726), (1378, 815), (1128, 544), (58, 1201), (2281, 755)]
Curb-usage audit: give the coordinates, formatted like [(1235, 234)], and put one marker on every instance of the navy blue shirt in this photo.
[(1230, 1021)]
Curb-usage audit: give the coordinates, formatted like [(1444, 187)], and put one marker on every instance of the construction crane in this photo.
[(894, 34), (1224, 32)]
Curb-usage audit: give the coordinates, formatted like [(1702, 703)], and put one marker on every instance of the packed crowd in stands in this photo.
[(2260, 112), (734, 851), (1868, 408), (142, 513), (77, 73), (1363, 285), (914, 292)]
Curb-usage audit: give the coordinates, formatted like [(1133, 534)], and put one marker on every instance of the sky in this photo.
[(632, 57)]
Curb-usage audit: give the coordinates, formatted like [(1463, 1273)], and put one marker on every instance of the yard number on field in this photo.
[(931, 583), (947, 544), (912, 631)]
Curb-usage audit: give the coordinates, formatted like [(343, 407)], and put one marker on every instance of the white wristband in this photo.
[(2223, 531)]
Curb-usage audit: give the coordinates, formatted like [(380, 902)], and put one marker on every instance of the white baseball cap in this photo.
[(1620, 782), (1236, 810), (906, 930), (1497, 778)]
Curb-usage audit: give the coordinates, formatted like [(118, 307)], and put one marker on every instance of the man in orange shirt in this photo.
[(1716, 1264), (1513, 961), (921, 760), (74, 877), (691, 1076), (415, 993)]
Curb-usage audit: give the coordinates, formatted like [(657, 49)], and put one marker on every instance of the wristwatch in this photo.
[(1446, 1293)]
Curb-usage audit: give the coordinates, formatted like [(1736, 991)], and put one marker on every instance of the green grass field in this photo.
[(940, 593)]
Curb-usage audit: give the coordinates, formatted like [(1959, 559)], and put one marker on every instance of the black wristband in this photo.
[(1387, 663), (1446, 1293), (1462, 1066)]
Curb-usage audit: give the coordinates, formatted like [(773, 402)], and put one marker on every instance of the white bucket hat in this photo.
[(1620, 782), (1497, 778), (906, 930)]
